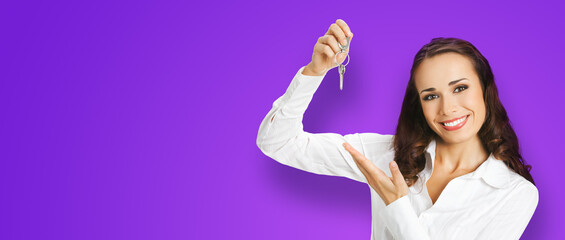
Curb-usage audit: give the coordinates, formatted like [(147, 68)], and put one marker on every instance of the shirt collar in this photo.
[(493, 171)]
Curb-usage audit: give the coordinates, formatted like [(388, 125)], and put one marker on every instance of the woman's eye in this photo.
[(429, 97), (460, 88), (457, 89)]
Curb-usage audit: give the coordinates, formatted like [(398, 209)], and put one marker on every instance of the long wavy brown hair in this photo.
[(413, 133)]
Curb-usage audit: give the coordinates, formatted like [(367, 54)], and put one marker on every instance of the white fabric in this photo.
[(493, 202)]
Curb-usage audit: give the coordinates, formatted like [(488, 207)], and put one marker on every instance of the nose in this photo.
[(448, 105)]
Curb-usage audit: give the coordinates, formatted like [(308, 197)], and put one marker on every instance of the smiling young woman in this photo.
[(455, 82), (456, 168)]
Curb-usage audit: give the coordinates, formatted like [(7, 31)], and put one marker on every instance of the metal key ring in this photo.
[(348, 58), (343, 48)]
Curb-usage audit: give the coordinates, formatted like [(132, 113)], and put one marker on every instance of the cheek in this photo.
[(429, 111), (474, 102)]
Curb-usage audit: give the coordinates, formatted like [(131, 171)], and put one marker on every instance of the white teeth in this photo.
[(451, 124)]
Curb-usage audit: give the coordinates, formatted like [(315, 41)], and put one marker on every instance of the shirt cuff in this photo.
[(307, 83), (299, 93), (402, 221)]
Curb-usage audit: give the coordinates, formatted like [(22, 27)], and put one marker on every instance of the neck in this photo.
[(460, 157)]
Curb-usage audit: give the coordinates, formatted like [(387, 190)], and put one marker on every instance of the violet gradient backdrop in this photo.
[(138, 119)]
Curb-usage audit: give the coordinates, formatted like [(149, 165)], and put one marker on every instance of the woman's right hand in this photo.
[(326, 48)]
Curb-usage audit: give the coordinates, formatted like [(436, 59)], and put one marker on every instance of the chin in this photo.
[(456, 139)]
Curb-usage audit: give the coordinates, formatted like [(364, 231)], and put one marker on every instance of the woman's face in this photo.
[(451, 96)]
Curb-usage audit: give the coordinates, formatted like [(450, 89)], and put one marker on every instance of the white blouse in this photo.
[(493, 202)]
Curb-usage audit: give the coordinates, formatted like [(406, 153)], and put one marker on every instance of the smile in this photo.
[(455, 124)]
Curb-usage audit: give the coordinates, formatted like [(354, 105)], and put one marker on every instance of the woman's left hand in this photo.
[(389, 188)]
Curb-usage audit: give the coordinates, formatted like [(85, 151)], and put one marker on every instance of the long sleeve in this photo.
[(509, 223), (401, 220), (282, 138)]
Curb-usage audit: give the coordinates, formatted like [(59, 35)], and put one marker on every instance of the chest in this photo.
[(439, 180), (436, 184)]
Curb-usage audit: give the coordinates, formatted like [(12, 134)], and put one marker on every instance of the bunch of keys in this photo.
[(341, 66)]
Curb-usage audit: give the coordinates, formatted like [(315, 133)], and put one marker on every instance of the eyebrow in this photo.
[(450, 83)]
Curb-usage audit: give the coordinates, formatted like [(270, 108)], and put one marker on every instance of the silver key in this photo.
[(342, 66), (341, 72)]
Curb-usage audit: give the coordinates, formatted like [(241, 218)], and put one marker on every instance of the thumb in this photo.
[(397, 177)]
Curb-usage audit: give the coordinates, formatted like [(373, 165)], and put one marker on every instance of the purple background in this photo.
[(138, 119)]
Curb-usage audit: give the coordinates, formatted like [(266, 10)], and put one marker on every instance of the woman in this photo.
[(452, 170)]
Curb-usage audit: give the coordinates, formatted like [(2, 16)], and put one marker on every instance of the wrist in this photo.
[(311, 71)]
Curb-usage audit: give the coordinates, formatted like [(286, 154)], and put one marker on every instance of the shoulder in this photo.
[(522, 190), (502, 176), (511, 186)]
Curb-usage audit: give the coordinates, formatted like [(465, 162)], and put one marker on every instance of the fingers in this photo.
[(338, 33), (325, 49), (364, 163), (331, 42), (367, 175), (397, 177), (344, 27)]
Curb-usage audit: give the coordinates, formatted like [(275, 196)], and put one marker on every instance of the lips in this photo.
[(455, 124), (453, 120)]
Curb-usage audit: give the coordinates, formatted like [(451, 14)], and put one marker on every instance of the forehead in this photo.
[(441, 69)]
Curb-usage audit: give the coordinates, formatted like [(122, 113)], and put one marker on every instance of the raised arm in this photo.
[(281, 136)]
